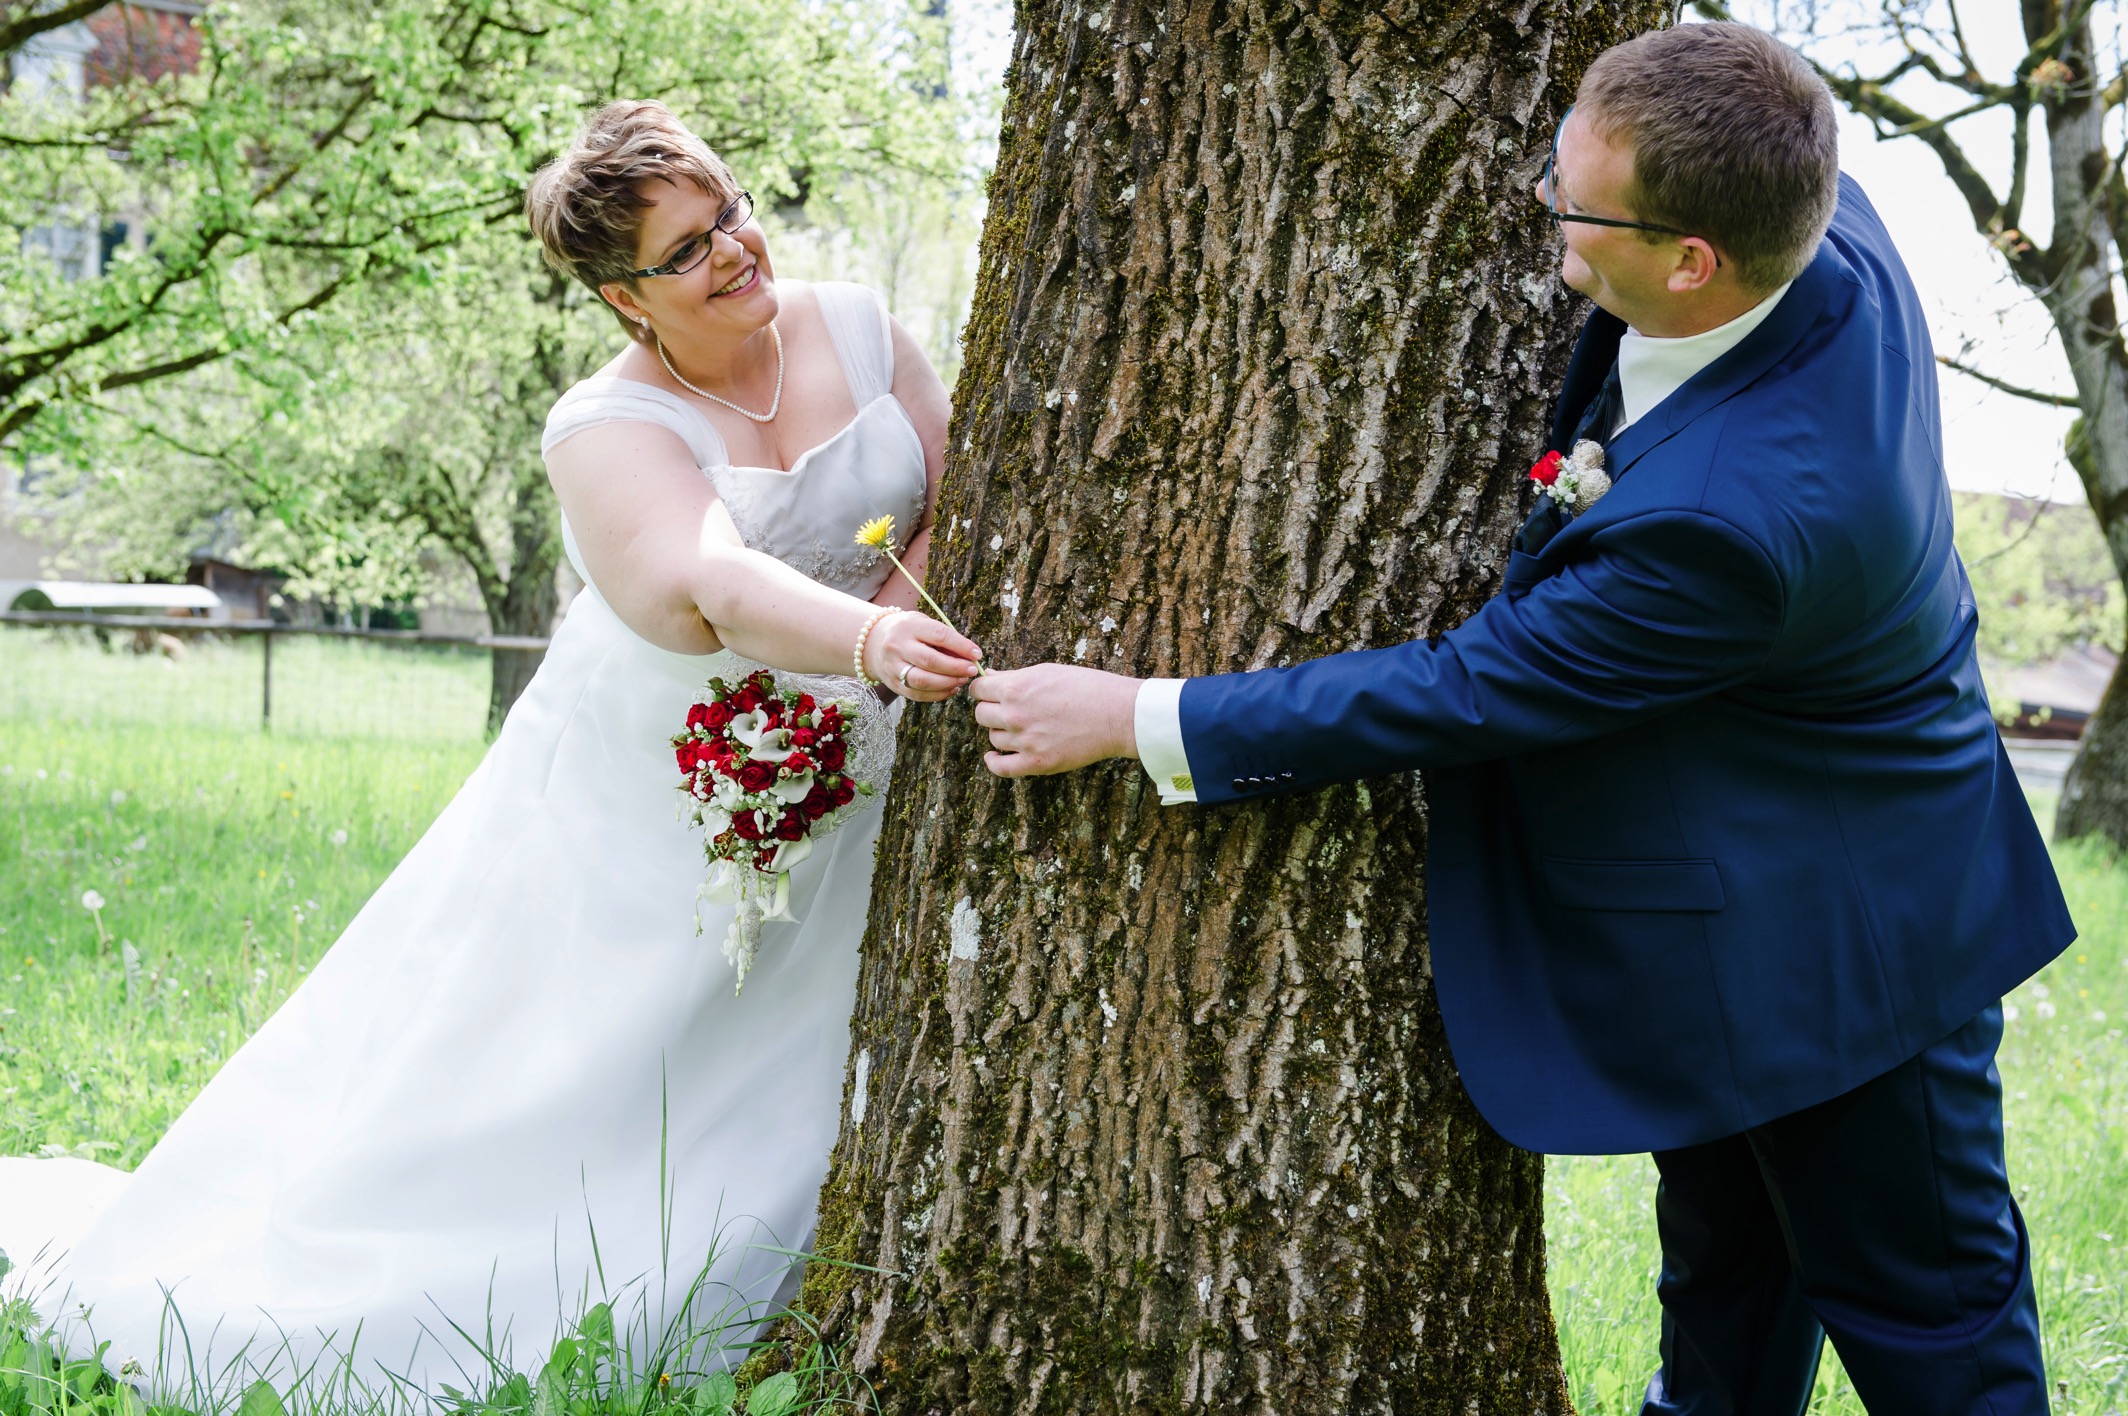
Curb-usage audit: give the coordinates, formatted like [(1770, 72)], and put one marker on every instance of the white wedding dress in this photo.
[(522, 1039)]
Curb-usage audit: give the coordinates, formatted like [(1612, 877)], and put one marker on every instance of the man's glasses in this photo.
[(1552, 199), (691, 253)]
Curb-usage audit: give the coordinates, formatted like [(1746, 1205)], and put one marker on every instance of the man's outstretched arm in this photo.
[(1669, 607)]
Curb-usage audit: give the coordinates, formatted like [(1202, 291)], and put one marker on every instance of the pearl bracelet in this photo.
[(857, 654)]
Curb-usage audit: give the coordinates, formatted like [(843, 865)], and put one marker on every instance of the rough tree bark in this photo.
[(2090, 232), (1149, 1109)]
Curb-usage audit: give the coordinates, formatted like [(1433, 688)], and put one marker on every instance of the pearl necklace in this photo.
[(774, 403)]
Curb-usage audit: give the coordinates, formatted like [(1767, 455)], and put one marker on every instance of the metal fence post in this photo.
[(266, 681)]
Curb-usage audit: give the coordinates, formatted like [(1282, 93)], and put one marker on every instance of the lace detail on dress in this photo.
[(739, 499)]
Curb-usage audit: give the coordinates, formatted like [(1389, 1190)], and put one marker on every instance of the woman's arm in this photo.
[(665, 554), (923, 398)]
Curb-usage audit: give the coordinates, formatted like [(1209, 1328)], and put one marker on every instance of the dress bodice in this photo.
[(806, 517)]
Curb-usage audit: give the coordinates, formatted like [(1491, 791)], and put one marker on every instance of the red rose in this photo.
[(1546, 471), (791, 827), (748, 825), (684, 754), (842, 793), (715, 716), (806, 703), (798, 764), (757, 776), (747, 699), (698, 716), (804, 737), (816, 803), (830, 718), (832, 754)]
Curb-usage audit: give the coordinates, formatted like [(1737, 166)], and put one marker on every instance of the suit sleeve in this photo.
[(1657, 611)]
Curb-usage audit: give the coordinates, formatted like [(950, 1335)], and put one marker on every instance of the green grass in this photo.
[(219, 857), (2065, 1082), (226, 861), (322, 687)]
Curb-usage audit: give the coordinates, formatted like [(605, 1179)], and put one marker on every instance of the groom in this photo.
[(1726, 861)]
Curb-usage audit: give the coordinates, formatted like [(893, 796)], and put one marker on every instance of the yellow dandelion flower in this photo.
[(878, 533)]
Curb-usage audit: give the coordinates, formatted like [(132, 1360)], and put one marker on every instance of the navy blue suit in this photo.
[(1721, 826)]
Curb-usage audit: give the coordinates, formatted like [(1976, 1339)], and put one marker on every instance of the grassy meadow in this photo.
[(217, 862)]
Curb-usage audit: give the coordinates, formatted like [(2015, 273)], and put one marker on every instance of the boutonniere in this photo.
[(1575, 481)]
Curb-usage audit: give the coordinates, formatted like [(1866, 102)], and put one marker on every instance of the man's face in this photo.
[(1616, 267)]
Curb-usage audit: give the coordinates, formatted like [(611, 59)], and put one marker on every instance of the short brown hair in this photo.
[(1733, 139), (586, 206)]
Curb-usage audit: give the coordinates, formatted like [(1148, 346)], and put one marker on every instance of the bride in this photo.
[(522, 1078)]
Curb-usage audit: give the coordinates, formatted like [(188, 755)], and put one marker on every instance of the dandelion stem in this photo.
[(886, 548)]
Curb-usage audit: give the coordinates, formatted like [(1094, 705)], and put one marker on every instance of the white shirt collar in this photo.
[(1650, 370)]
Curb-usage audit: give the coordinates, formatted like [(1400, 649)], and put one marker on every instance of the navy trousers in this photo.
[(1882, 1218)]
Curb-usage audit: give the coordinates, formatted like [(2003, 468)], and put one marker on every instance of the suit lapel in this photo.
[(1594, 354), (1806, 302)]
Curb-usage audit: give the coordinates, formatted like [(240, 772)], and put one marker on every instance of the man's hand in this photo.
[(1053, 717)]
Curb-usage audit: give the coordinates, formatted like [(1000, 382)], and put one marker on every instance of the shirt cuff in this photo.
[(1157, 719)]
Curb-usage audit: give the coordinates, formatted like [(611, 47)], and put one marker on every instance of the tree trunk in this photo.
[(1150, 1109), (525, 601), (2078, 293), (2094, 794)]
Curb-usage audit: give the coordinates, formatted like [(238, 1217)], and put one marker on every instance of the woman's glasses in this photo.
[(691, 253)]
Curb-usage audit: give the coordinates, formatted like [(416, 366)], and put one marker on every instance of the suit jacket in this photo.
[(1720, 823)]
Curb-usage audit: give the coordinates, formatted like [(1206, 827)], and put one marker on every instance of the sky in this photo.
[(1993, 442)]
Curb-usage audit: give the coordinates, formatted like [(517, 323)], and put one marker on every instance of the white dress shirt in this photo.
[(1649, 371)]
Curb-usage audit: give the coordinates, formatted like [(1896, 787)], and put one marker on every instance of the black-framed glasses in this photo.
[(1552, 199), (691, 252)]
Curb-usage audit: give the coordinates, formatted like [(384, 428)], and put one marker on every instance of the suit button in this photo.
[(1240, 784)]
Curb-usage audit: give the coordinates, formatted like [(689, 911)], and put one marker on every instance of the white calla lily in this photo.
[(775, 745), (788, 854)]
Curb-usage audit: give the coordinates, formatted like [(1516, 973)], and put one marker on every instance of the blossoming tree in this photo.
[(1150, 1109)]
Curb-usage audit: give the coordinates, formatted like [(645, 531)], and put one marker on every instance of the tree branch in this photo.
[(2052, 400), (16, 32)]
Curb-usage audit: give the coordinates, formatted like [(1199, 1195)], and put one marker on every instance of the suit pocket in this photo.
[(1647, 886)]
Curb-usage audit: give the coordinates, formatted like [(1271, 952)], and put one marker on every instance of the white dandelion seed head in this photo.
[(338, 838), (91, 901)]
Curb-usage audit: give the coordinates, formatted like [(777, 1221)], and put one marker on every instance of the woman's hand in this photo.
[(939, 660)]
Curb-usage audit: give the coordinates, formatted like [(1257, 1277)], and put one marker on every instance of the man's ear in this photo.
[(1696, 265)]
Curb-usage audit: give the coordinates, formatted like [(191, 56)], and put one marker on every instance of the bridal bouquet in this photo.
[(762, 770)]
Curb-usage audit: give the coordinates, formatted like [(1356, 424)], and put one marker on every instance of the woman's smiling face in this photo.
[(729, 291)]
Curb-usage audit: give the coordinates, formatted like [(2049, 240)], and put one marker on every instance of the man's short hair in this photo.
[(1734, 139)]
